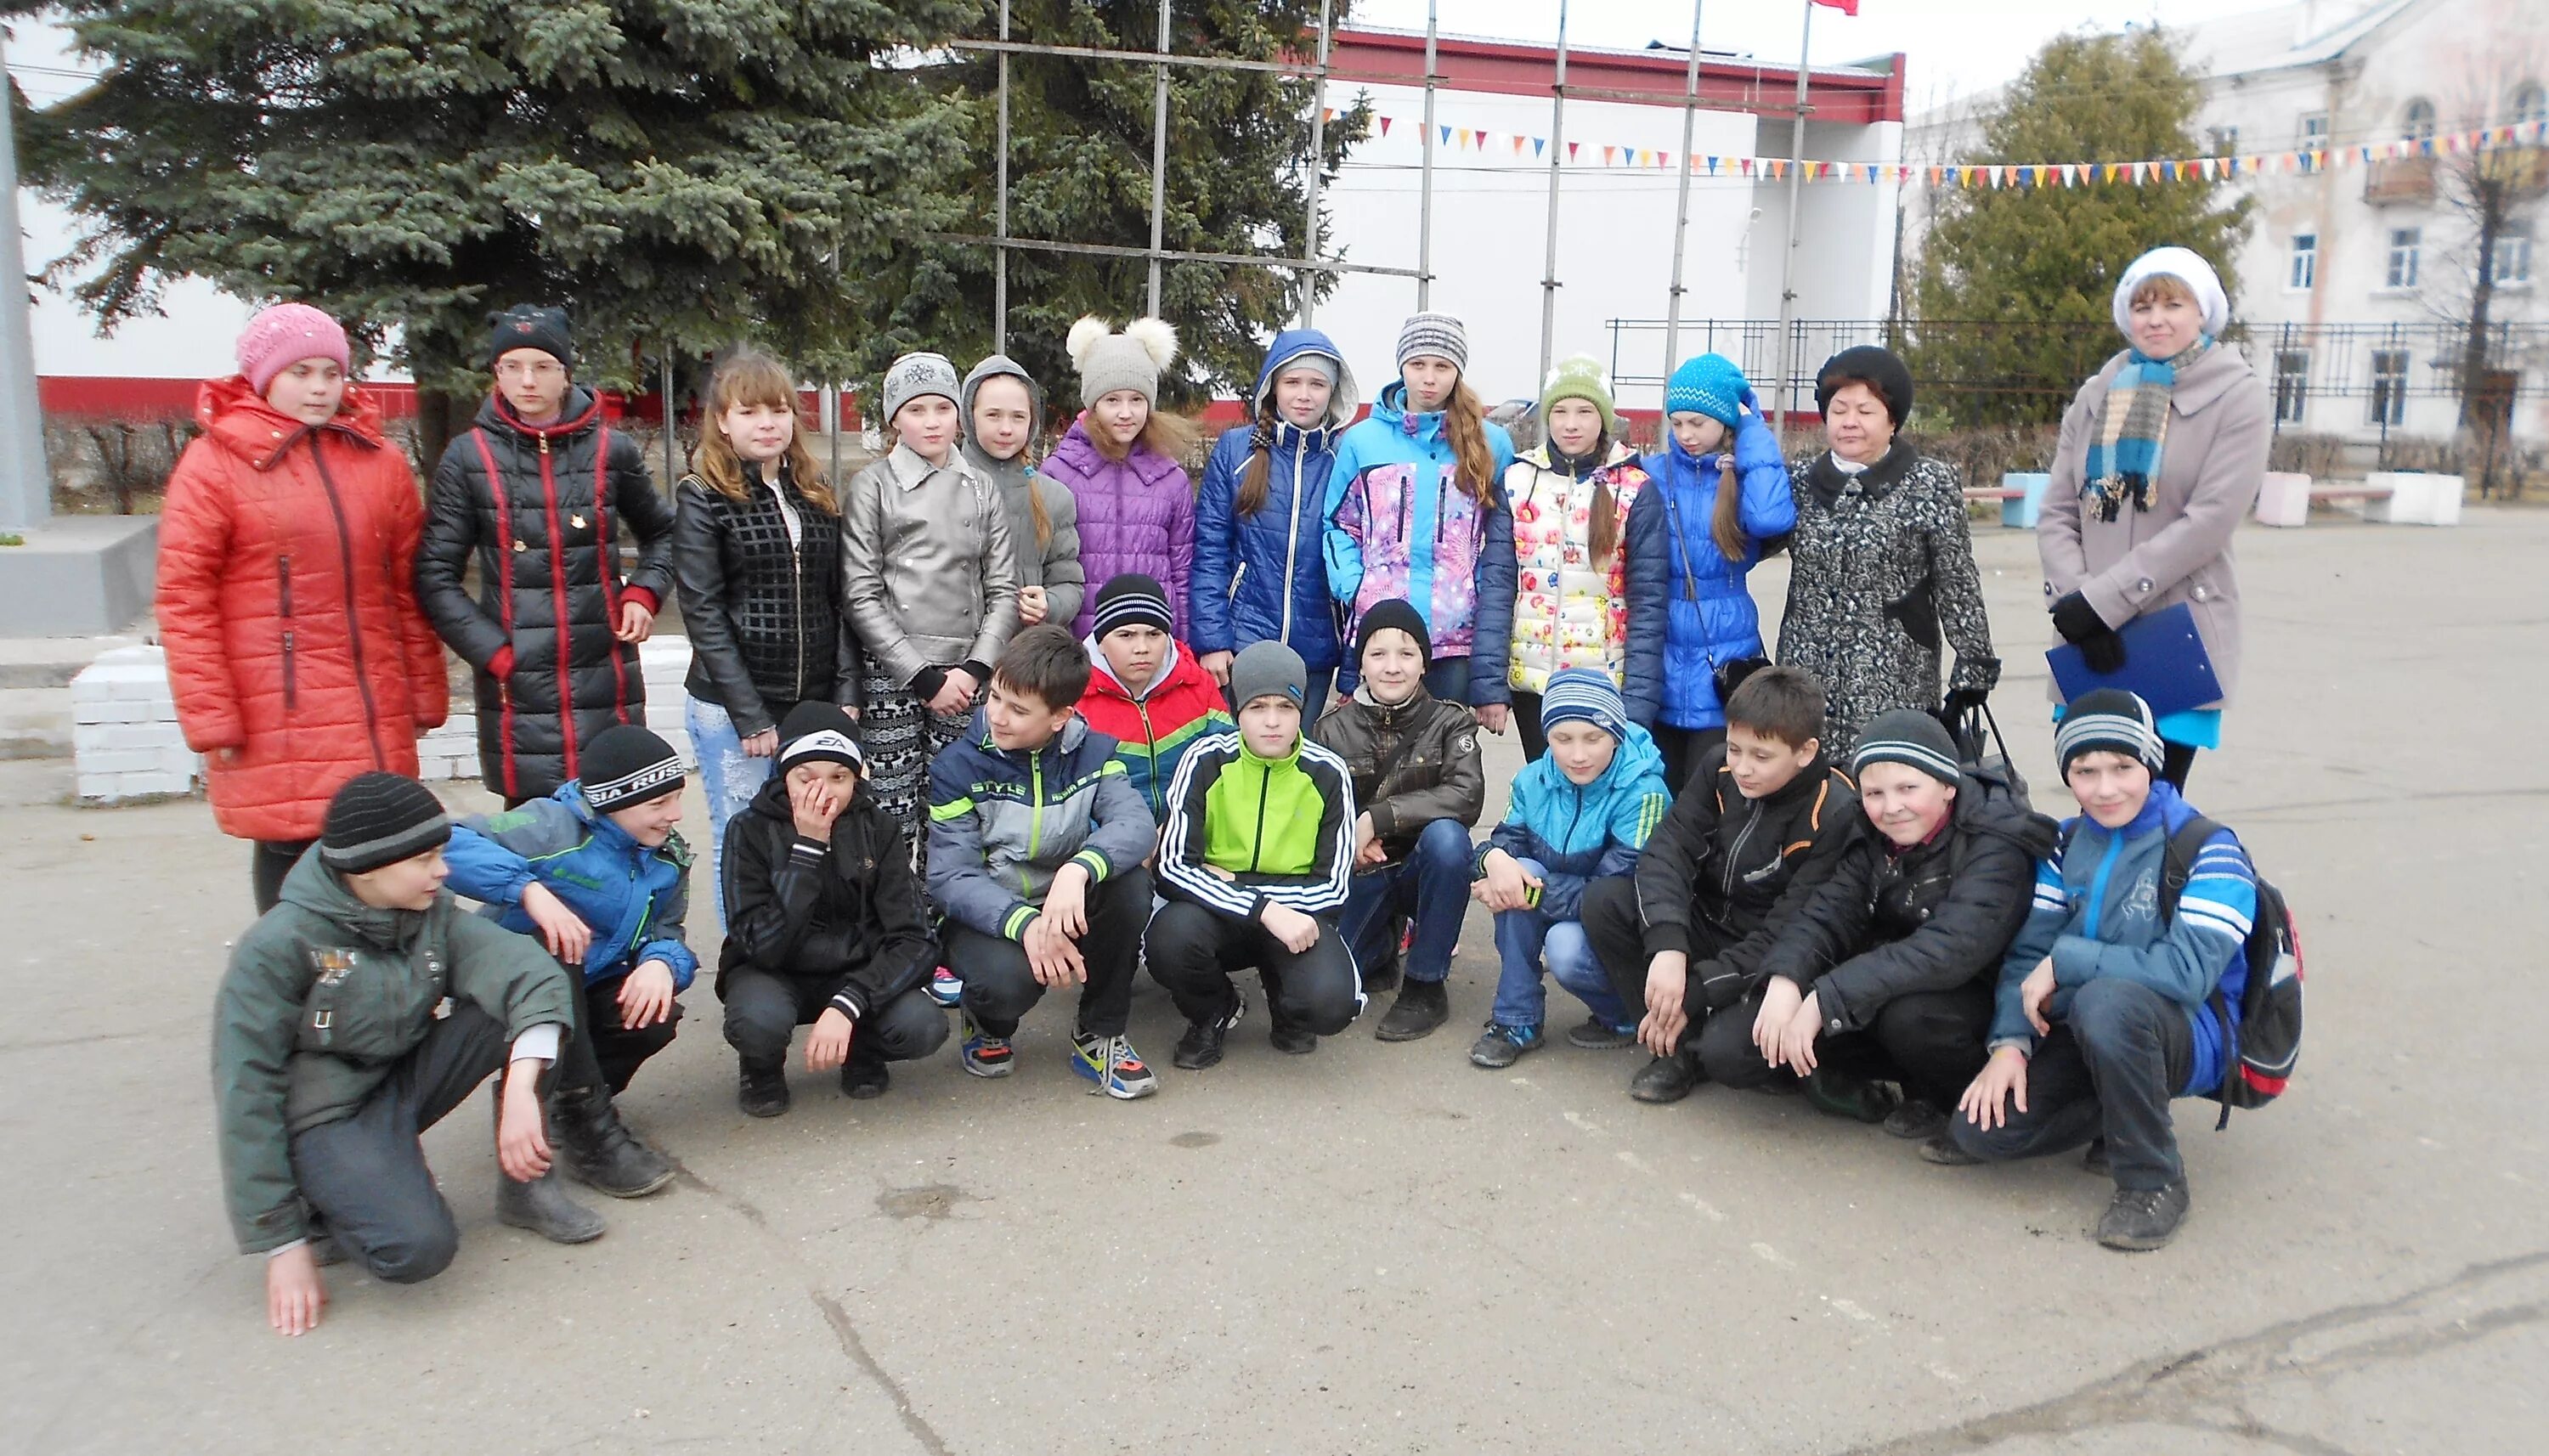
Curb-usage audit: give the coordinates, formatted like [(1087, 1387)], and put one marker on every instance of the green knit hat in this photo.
[(1580, 377)]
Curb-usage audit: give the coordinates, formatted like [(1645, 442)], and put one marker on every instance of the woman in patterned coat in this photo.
[(1883, 577)]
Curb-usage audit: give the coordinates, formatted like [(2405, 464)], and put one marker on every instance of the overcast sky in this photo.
[(1955, 47)]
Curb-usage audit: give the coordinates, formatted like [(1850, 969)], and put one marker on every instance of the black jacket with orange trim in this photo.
[(1724, 874)]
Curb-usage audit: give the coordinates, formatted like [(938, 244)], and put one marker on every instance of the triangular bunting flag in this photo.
[(1517, 141), (1538, 144), (1607, 154), (1570, 149), (1385, 125)]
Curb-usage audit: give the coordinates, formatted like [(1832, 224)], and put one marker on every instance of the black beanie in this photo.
[(1131, 600), (2109, 720), (627, 765), (379, 819), (819, 733), (531, 327), (1394, 612), (1893, 379), (1910, 737)]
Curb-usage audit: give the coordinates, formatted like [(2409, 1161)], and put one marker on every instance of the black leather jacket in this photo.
[(763, 609)]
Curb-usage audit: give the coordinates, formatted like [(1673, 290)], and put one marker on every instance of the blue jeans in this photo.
[(1527, 938), (729, 777), (1431, 887)]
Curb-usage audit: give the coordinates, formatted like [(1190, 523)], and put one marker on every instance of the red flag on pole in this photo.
[(1845, 7)]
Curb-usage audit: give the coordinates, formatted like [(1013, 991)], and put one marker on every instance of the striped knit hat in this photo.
[(627, 765), (2109, 720), (1585, 694), (1434, 336), (1132, 600), (379, 819), (819, 733), (1911, 738), (1709, 385)]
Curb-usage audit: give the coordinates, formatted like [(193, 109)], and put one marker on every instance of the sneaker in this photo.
[(1200, 1046), (1845, 1096), (1420, 1008), (2141, 1219), (947, 988), (1503, 1045), (2095, 1159), (864, 1080), (986, 1056), (1113, 1065), (1946, 1152), (1916, 1121), (1597, 1035), (763, 1090), (1667, 1079)]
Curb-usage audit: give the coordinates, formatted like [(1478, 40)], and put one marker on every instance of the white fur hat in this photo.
[(2184, 265), (1131, 360)]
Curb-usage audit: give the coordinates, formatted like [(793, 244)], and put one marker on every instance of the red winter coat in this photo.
[(287, 606)]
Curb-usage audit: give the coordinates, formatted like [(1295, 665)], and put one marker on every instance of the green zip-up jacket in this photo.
[(1283, 828), (322, 998)]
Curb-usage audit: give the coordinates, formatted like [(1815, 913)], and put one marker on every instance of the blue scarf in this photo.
[(2125, 447)]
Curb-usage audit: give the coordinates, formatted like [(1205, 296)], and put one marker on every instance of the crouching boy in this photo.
[(1579, 814), (1754, 834), (1421, 782), (2106, 1002), (824, 924), (1036, 843), (1888, 973), (1146, 692), (598, 873), (1253, 860), (329, 1060)]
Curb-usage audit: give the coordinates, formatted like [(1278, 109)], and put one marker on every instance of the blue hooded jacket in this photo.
[(1260, 578), (1709, 615), (633, 898), (1583, 831)]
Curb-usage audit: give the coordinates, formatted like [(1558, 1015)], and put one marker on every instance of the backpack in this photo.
[(2263, 1044)]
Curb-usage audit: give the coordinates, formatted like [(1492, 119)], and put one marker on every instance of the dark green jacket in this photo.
[(324, 996)]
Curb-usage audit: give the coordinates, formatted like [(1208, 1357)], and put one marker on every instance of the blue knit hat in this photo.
[(1708, 385), (1585, 694)]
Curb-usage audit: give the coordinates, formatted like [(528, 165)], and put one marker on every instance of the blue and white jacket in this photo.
[(632, 897), (1262, 578), (1709, 615), (2096, 914), (1578, 832)]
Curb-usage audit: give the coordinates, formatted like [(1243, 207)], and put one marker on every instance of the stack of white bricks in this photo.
[(128, 746)]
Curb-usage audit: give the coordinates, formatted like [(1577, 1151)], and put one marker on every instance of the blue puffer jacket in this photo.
[(1260, 578), (1709, 616), (633, 899), (1583, 831)]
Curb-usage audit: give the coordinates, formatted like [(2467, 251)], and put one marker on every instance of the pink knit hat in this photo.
[(283, 336)]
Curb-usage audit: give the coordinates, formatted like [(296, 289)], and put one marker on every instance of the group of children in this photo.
[(945, 773)]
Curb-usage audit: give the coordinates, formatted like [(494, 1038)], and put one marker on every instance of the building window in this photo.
[(2222, 142), (2405, 243), (2304, 274), (2530, 104), (2313, 129), (2389, 386), (2292, 385), (2417, 124), (2512, 262)]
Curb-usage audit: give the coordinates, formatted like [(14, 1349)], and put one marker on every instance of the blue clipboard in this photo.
[(2164, 661)]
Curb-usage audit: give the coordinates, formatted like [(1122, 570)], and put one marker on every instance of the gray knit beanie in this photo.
[(1435, 336), (1131, 360), (1911, 738), (1267, 669), (914, 375)]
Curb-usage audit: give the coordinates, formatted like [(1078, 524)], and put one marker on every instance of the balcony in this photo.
[(2403, 179)]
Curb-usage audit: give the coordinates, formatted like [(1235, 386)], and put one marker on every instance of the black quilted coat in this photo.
[(763, 608), (540, 509)]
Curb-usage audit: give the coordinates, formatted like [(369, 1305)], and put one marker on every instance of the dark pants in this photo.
[(1612, 924), (1194, 952), (1682, 748), (2108, 1069), (1001, 987), (1526, 719), (603, 1049), (1930, 1042), (1430, 888), (270, 860), (2177, 759), (762, 1011), (365, 1175)]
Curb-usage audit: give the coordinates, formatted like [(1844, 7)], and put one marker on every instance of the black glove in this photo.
[(2080, 625), (1959, 702)]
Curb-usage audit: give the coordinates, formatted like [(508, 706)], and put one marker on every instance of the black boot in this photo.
[(864, 1077), (1285, 1037), (1421, 1007), (541, 1205), (598, 1148), (2141, 1219), (1666, 1078), (763, 1092)]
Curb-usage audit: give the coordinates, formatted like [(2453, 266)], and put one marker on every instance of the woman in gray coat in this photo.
[(2161, 455)]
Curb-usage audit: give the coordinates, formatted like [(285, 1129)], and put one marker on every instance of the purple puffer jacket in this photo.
[(1135, 515)]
